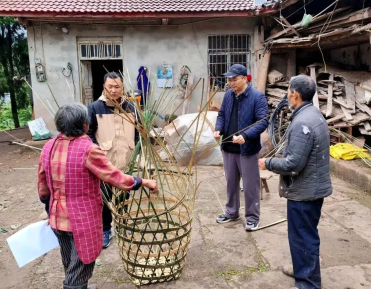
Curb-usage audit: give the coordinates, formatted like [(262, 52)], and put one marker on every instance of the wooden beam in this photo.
[(289, 25), (263, 72), (334, 42), (258, 51)]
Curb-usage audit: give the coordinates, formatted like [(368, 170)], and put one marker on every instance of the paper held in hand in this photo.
[(32, 242)]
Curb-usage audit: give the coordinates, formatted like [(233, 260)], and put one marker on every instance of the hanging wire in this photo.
[(299, 9), (323, 29)]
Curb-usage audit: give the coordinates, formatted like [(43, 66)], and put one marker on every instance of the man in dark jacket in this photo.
[(116, 135), (241, 119), (304, 181)]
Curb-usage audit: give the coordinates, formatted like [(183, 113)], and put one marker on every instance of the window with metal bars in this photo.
[(100, 50), (223, 52)]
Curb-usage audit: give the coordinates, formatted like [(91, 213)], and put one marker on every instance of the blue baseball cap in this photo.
[(235, 70)]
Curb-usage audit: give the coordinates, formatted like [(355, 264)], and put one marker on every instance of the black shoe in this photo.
[(224, 219), (252, 226)]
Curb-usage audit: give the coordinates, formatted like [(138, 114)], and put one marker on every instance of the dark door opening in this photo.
[(98, 72)]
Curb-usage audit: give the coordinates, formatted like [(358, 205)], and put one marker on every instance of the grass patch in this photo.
[(230, 272)]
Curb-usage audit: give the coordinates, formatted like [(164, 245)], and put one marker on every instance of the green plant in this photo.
[(6, 116)]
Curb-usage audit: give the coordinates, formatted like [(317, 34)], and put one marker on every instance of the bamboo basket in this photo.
[(154, 235)]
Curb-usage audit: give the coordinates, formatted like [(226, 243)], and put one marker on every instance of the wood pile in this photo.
[(277, 86), (342, 99), (342, 96)]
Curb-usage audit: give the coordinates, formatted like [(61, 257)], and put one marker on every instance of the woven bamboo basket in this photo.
[(153, 236)]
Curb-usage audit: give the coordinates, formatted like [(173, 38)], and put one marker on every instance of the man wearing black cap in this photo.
[(242, 107)]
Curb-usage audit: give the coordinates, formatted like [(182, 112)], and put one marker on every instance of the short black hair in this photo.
[(304, 85), (71, 118), (112, 75)]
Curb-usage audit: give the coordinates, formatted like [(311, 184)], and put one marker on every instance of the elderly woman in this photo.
[(70, 170)]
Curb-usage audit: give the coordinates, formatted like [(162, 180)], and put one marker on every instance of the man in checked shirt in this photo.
[(70, 170)]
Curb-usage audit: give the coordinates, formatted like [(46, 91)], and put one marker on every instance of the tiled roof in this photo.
[(126, 6)]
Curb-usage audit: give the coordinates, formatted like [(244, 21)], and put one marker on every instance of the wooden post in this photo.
[(314, 77), (329, 95), (291, 63), (258, 47), (263, 72)]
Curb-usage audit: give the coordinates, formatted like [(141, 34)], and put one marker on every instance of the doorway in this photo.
[(92, 74)]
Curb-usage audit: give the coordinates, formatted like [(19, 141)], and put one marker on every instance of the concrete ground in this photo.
[(220, 255)]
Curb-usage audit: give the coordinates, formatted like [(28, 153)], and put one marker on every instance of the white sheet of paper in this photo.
[(37, 125), (32, 242)]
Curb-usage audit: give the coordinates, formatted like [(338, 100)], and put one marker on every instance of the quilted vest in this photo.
[(83, 197)]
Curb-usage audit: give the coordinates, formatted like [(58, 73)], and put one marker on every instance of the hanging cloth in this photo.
[(143, 84)]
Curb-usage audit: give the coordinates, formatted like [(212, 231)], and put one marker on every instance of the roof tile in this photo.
[(113, 6)]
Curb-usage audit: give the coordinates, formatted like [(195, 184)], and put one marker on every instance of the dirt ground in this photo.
[(220, 256)]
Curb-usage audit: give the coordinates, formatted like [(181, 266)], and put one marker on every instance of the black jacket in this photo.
[(99, 107)]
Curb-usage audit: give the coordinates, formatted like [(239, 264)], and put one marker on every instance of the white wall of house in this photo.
[(142, 46)]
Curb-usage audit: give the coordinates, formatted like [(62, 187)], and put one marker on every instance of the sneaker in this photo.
[(252, 226), (107, 236), (288, 270), (224, 219), (92, 286)]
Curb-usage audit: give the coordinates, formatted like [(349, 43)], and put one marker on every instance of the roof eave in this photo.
[(93, 15)]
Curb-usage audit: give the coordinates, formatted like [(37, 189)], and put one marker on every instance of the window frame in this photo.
[(229, 51)]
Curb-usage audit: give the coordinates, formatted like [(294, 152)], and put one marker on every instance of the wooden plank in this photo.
[(362, 28), (336, 118), (350, 94), (329, 96), (289, 25), (279, 84), (367, 126), (340, 100), (363, 107), (276, 92), (347, 114), (340, 125), (358, 118), (364, 131)]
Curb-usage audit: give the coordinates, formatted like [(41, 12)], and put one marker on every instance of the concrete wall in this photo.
[(148, 46), (348, 56)]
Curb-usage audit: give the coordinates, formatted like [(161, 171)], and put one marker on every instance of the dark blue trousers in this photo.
[(302, 221)]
